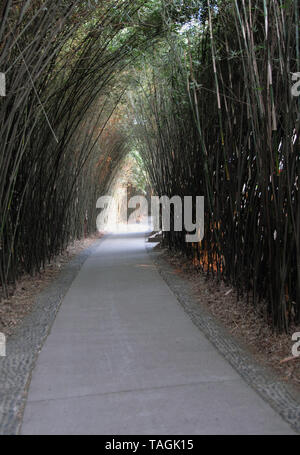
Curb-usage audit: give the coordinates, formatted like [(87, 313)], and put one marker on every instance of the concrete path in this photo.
[(123, 358)]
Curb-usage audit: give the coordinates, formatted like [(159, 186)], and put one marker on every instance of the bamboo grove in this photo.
[(60, 143), (200, 89), (216, 118)]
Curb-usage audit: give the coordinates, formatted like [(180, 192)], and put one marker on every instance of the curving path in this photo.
[(124, 358)]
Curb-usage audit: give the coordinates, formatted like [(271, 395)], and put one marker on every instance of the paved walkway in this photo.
[(124, 358)]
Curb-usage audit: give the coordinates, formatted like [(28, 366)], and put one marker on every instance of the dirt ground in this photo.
[(243, 321), (21, 302)]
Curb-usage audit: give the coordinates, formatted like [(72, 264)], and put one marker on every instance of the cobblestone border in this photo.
[(281, 396), (23, 347)]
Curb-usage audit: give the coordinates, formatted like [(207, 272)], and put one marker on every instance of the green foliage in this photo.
[(208, 120), (139, 177), (196, 94)]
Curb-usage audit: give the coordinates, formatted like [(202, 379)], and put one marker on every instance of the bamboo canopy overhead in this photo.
[(206, 94)]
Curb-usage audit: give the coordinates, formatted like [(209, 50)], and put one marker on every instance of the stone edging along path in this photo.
[(281, 396), (23, 347), (25, 344)]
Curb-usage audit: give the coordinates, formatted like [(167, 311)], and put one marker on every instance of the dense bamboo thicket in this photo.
[(216, 117), (211, 114), (63, 63)]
